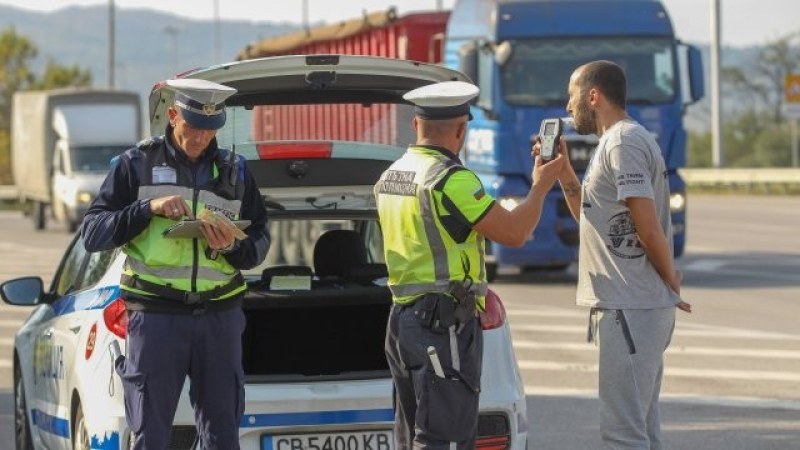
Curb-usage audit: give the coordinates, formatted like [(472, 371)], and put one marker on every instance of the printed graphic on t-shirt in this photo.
[(630, 179), (621, 237)]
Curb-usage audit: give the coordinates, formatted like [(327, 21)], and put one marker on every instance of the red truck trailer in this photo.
[(414, 36)]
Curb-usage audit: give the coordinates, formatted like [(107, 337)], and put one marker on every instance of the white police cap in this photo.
[(202, 102), (444, 100)]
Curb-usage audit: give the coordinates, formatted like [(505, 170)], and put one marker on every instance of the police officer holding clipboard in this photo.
[(183, 296), (435, 217)]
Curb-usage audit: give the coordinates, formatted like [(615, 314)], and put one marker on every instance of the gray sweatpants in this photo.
[(632, 344)]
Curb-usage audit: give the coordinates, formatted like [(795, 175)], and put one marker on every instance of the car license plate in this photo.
[(354, 440)]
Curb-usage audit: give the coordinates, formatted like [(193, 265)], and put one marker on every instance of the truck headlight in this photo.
[(510, 203), (677, 202), (84, 197)]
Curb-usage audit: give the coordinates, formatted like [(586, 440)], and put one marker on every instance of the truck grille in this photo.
[(580, 152)]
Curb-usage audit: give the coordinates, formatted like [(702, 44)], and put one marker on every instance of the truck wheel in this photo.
[(309, 233), (274, 253), (72, 224), (491, 272), (22, 428), (560, 267), (290, 241), (80, 435), (37, 215)]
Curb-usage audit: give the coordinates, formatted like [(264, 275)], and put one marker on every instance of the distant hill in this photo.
[(144, 51)]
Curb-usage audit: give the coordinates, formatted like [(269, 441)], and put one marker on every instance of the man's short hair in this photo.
[(607, 77)]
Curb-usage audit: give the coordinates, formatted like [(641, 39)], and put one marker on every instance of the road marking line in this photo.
[(674, 349), (679, 332), (749, 375), (704, 265), (545, 313), (738, 402)]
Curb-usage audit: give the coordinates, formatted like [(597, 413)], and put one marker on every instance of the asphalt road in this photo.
[(732, 371)]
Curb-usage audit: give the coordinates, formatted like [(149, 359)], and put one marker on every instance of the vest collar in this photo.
[(442, 150)]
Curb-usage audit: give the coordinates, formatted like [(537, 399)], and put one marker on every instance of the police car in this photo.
[(317, 132)]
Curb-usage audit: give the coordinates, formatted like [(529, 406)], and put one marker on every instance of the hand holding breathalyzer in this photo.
[(549, 137)]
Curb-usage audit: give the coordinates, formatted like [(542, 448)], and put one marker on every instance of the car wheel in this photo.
[(37, 215), (22, 429), (80, 435)]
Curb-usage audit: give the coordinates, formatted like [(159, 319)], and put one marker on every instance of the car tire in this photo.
[(22, 428), (80, 435)]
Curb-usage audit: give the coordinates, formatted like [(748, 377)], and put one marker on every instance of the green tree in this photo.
[(763, 80), (16, 54), (56, 75), (698, 150)]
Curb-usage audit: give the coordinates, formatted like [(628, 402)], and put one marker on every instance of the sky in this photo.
[(743, 22)]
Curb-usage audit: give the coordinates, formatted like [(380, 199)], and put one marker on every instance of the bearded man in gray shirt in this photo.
[(626, 273)]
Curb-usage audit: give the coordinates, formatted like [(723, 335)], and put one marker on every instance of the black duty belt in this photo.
[(169, 299)]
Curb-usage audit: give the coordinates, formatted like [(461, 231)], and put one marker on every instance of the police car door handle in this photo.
[(75, 328)]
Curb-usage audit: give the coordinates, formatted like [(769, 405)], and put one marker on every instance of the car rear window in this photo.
[(373, 123)]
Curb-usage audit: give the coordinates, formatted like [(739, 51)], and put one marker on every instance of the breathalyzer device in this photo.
[(550, 133)]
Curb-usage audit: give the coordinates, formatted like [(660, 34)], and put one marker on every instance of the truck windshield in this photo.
[(538, 71), (95, 158)]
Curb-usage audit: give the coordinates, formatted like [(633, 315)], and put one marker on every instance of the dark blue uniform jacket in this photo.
[(116, 216)]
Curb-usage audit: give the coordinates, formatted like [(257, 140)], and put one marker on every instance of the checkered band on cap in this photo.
[(208, 109)]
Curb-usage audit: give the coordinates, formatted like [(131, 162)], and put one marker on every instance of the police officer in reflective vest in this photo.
[(435, 216), (183, 296)]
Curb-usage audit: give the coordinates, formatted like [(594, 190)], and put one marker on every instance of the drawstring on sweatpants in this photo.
[(594, 323)]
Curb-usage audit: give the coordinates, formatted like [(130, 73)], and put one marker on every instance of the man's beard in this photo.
[(585, 119)]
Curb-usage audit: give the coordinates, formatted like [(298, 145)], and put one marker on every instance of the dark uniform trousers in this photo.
[(433, 412), (162, 350)]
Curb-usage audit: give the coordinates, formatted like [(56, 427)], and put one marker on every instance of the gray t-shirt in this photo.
[(613, 269)]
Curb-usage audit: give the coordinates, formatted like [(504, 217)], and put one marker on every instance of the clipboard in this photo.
[(191, 229)]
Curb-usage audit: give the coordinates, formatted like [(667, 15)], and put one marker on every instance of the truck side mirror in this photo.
[(502, 53), (696, 76), (468, 60)]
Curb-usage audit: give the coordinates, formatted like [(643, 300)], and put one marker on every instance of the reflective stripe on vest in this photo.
[(180, 263), (416, 268)]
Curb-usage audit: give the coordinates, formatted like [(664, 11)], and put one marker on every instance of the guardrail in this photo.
[(8, 192), (783, 180), (720, 178)]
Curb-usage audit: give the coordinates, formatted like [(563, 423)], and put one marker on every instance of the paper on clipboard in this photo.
[(191, 228)]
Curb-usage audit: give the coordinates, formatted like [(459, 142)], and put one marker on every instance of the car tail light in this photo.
[(116, 318), (493, 432), (494, 314), (295, 150)]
